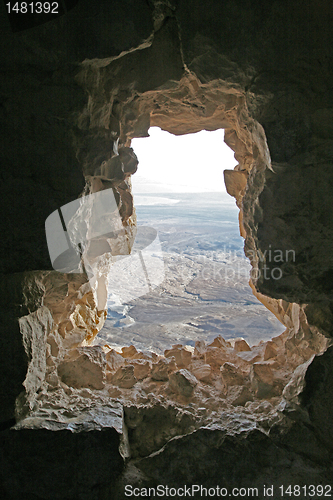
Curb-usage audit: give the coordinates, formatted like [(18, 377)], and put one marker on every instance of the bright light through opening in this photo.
[(192, 163), (192, 282)]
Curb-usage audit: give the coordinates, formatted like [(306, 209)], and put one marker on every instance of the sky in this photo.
[(191, 163)]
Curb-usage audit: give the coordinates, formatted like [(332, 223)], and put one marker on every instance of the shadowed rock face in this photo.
[(74, 92)]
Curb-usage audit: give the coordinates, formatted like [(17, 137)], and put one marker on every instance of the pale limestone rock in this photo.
[(280, 340), (273, 363), (142, 368), (259, 406), (241, 345), (202, 372), (200, 348), (252, 356), (149, 356), (220, 342), (162, 369), (124, 377), (295, 357), (129, 352), (54, 345), (52, 379), (86, 393), (215, 357), (235, 183), (71, 300), (34, 328), (49, 359), (181, 355), (280, 308), (280, 358), (262, 380), (114, 392), (114, 360), (299, 350), (231, 374), (296, 384), (182, 382), (270, 351), (84, 367), (239, 395)]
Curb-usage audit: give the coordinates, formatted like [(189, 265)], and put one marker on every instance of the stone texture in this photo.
[(215, 357), (124, 377), (141, 419), (142, 368), (262, 380), (199, 348), (296, 384), (220, 342), (241, 345), (74, 91), (129, 352), (202, 372), (162, 369), (182, 382), (34, 329), (247, 453), (235, 183), (114, 360), (21, 295), (181, 355), (231, 375), (251, 356), (239, 395), (84, 367), (270, 351)]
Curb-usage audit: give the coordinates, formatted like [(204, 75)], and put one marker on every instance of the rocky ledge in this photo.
[(103, 419)]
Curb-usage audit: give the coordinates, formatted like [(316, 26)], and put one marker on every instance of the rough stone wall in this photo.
[(73, 93)]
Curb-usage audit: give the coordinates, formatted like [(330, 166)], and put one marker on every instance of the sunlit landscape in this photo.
[(204, 291)]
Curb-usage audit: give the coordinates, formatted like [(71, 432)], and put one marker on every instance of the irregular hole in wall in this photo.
[(197, 279), (189, 387)]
